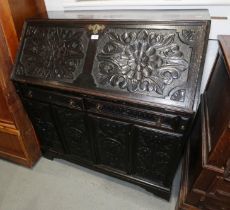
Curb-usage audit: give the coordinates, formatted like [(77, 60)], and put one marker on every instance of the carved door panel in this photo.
[(72, 125), (156, 154), (112, 141), (40, 115)]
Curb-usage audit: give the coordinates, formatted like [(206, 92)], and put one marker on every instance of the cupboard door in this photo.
[(72, 125), (40, 115), (156, 154), (112, 141)]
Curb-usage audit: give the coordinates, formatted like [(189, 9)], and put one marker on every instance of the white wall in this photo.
[(219, 10)]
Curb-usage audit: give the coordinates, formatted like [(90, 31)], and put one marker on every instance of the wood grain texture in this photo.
[(181, 201), (25, 9), (205, 181), (18, 139), (8, 29), (5, 115)]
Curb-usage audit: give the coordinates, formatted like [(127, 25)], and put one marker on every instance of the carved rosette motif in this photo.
[(140, 61), (52, 53)]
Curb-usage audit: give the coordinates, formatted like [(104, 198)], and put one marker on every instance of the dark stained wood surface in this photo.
[(175, 86), (114, 96), (206, 175)]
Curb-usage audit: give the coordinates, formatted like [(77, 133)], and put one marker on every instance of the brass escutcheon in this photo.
[(72, 103), (99, 107), (95, 28)]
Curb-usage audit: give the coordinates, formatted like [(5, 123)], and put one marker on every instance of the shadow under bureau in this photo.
[(117, 95)]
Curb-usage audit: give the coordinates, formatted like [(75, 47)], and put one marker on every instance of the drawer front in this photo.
[(40, 115), (52, 97), (152, 118), (156, 154)]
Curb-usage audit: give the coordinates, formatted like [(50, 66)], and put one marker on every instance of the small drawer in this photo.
[(52, 97), (152, 118)]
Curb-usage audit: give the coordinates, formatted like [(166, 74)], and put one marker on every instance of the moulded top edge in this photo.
[(148, 15)]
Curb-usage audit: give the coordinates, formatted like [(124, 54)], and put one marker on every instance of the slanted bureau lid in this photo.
[(159, 63)]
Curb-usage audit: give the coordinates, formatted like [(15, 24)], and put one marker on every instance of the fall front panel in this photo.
[(54, 52), (156, 61)]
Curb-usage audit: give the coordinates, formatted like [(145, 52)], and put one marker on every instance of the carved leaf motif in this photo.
[(179, 95), (159, 40), (140, 61), (52, 52), (189, 35)]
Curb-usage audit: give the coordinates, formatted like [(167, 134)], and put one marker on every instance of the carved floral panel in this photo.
[(151, 62), (52, 52)]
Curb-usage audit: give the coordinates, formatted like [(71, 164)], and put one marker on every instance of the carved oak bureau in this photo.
[(115, 93)]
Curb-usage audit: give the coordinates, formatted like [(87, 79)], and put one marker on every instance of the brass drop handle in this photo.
[(72, 103), (99, 107), (30, 94)]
